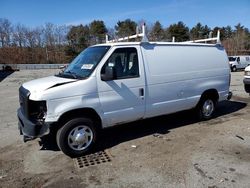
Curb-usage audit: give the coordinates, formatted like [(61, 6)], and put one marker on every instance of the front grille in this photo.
[(32, 110)]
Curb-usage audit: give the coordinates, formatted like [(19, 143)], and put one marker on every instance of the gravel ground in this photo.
[(167, 151)]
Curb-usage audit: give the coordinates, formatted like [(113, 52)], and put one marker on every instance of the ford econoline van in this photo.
[(238, 62), (119, 82)]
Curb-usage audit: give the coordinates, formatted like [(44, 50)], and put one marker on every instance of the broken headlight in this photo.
[(37, 110)]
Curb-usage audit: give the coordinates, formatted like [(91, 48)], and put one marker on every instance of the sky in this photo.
[(213, 13)]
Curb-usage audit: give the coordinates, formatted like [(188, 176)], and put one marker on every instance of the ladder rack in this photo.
[(217, 39), (137, 35), (145, 39)]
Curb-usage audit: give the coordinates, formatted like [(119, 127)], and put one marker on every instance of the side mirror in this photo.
[(109, 74)]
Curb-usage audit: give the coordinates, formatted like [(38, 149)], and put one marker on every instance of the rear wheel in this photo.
[(76, 137), (206, 108)]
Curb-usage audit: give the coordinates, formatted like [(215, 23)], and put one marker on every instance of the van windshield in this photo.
[(84, 64), (231, 58)]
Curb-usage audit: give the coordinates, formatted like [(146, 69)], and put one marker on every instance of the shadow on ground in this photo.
[(159, 125), (5, 74)]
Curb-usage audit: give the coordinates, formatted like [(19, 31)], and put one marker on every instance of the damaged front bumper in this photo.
[(31, 130)]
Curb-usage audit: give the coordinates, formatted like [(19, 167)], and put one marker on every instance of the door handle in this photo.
[(141, 92)]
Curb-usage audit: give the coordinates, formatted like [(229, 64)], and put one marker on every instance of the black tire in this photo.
[(234, 69), (68, 141), (205, 108)]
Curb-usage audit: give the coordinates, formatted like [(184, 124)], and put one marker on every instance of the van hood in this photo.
[(233, 62), (41, 84)]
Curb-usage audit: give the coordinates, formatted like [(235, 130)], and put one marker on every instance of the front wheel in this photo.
[(76, 137), (234, 69), (206, 108)]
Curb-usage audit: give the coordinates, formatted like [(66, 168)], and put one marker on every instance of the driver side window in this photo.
[(124, 62)]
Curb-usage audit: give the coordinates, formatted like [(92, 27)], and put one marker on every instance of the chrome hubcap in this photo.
[(208, 108), (80, 137)]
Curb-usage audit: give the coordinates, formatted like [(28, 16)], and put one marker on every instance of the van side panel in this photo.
[(177, 75)]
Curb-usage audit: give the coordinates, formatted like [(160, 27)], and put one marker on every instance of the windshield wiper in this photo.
[(72, 73)]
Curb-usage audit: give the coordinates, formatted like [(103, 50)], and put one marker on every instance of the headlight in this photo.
[(247, 73)]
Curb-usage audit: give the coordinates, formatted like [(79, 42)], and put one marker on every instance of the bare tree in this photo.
[(19, 35), (49, 30), (60, 34), (5, 32), (30, 37), (237, 43), (38, 33)]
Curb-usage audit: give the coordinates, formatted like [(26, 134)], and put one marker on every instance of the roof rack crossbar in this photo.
[(137, 35), (217, 39)]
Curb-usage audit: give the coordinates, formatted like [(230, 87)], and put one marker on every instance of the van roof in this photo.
[(157, 43)]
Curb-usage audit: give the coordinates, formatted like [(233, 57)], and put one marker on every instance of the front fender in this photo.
[(57, 107)]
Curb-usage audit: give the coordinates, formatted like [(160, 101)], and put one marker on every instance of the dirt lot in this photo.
[(168, 151)]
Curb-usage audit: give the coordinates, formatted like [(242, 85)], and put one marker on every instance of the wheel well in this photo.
[(210, 93), (88, 112)]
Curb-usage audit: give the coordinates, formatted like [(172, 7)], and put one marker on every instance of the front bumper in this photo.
[(29, 129), (246, 82)]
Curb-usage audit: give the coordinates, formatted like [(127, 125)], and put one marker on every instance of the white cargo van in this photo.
[(238, 62), (115, 83), (246, 80)]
